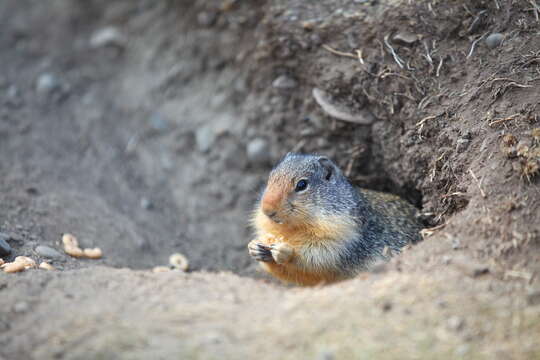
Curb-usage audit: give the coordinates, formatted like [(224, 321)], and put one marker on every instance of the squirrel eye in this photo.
[(301, 185)]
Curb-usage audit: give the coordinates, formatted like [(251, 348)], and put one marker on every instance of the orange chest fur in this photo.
[(330, 229)]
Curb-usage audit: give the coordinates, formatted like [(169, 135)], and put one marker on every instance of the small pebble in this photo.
[(284, 82), (494, 40), (108, 36), (258, 151), (48, 252), (315, 39), (455, 323), (326, 354), (5, 249), (205, 137), (405, 38), (206, 18), (158, 122), (533, 296), (462, 145), (14, 98), (21, 307), (47, 83), (386, 306), (146, 204)]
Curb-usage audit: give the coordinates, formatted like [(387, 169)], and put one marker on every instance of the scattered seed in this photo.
[(74, 251), (13, 267), (179, 261), (94, 253), (71, 247), (46, 266), (70, 240), (160, 269), (26, 261)]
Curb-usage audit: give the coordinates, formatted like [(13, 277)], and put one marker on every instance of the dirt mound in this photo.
[(148, 128)]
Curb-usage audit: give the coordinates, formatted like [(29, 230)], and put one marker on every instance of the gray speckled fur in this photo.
[(382, 220)]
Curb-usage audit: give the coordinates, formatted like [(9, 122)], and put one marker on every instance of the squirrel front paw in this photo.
[(282, 253), (259, 251)]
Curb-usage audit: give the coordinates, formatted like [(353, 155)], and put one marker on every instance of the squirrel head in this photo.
[(303, 189)]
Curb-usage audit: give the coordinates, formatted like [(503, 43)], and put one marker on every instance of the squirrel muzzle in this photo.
[(271, 204)]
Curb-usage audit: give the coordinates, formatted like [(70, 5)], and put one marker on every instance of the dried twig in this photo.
[(340, 53), (512, 83), (498, 121), (474, 44), (439, 67), (536, 9), (430, 231), (518, 274), (428, 55), (360, 58), (421, 122), (457, 193), (397, 59), (478, 183)]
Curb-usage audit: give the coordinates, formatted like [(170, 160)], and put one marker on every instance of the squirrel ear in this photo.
[(328, 167)]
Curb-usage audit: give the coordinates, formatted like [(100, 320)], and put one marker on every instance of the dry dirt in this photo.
[(142, 145)]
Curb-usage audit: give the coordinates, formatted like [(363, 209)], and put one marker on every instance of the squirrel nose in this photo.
[(270, 213), (270, 203)]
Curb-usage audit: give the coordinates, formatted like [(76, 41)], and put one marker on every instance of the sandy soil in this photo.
[(133, 126)]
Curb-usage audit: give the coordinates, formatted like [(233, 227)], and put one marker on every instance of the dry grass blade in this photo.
[(478, 183), (340, 53)]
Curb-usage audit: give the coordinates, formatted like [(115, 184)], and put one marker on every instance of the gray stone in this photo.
[(207, 18), (14, 98), (146, 204), (158, 122), (21, 307), (494, 40), (258, 151), (533, 296), (340, 111), (405, 38), (284, 82), (205, 137), (5, 249), (455, 323), (47, 83), (108, 36), (462, 144), (48, 252)]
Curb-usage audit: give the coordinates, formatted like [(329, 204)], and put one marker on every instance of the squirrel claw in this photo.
[(260, 252), (282, 253)]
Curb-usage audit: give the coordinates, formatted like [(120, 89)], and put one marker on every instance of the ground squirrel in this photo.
[(312, 226)]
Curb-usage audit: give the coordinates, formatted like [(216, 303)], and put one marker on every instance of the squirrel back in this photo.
[(331, 229)]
